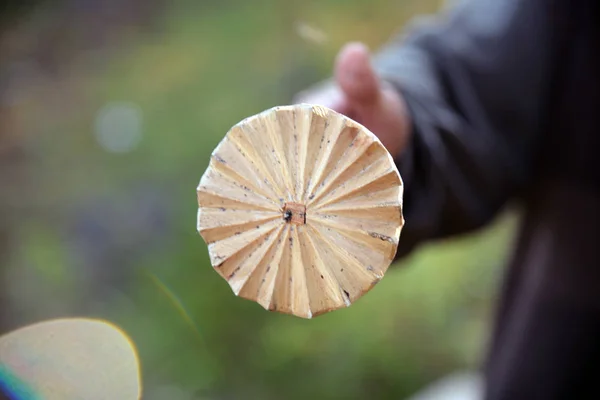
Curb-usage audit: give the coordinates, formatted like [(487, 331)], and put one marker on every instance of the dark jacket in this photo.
[(504, 97)]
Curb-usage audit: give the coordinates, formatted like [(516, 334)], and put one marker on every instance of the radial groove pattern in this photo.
[(301, 209)]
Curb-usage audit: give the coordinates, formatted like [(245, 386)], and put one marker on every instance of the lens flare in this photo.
[(68, 359), (13, 388)]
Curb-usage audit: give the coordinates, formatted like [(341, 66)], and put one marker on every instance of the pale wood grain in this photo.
[(301, 208)]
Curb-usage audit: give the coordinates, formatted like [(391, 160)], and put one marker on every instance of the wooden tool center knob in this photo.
[(294, 213)]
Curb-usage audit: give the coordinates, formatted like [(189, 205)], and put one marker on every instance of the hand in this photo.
[(358, 93)]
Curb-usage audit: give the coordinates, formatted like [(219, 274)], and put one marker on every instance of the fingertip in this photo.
[(354, 72), (353, 49), (352, 58)]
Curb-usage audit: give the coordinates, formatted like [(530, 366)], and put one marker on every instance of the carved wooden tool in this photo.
[(301, 208)]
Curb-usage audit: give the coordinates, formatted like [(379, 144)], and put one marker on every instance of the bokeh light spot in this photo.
[(69, 359), (118, 127)]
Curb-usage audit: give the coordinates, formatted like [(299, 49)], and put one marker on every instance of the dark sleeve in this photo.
[(476, 84)]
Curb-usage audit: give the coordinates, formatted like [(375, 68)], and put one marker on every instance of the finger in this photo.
[(355, 75), (328, 95)]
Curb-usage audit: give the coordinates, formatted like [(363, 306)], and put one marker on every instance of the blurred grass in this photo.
[(213, 64)]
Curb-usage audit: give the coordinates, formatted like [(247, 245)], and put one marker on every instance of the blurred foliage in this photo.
[(113, 235)]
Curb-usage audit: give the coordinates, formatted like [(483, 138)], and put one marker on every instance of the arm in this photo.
[(476, 85)]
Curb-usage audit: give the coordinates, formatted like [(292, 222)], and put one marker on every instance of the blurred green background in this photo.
[(109, 112)]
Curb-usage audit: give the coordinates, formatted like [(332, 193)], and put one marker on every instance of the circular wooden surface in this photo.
[(301, 209)]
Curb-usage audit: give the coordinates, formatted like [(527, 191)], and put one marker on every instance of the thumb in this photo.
[(356, 77), (378, 107)]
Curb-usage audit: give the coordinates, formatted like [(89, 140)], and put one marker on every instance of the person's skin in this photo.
[(359, 94)]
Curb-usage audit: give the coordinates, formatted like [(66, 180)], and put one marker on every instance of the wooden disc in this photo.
[(301, 209)]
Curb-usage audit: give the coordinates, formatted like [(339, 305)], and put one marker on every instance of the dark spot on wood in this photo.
[(342, 270), (257, 226), (233, 273), (370, 268), (347, 294), (291, 279), (263, 280), (222, 209), (312, 196), (322, 277), (237, 233), (287, 215), (268, 268), (381, 237), (219, 158)]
